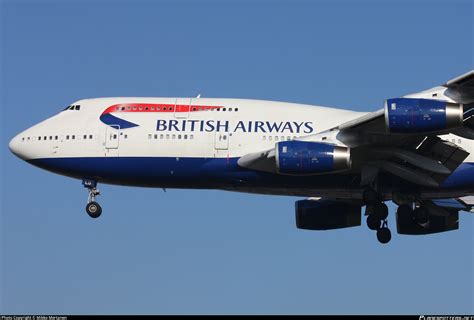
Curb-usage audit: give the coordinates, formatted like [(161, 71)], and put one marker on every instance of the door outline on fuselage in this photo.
[(221, 141), (182, 107), (112, 138)]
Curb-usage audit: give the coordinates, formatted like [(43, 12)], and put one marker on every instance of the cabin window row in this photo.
[(171, 109), (67, 137), (170, 136), (278, 138)]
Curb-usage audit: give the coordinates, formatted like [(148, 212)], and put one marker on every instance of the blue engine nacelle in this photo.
[(406, 115), (326, 215), (305, 157)]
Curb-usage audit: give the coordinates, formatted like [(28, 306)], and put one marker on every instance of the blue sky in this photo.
[(209, 252)]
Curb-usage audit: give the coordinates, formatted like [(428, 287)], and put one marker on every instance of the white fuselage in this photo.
[(182, 142), (53, 138)]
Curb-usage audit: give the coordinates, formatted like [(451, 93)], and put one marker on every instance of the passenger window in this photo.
[(85, 136), (167, 136), (185, 136), (90, 136), (264, 138), (56, 138), (50, 137), (39, 138), (73, 137), (115, 136), (67, 137), (173, 136), (156, 136), (149, 136), (276, 138), (161, 136), (123, 108), (270, 138), (230, 109), (45, 138), (236, 109), (152, 108), (125, 136)]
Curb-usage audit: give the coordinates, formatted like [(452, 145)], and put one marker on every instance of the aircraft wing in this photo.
[(461, 88), (420, 157)]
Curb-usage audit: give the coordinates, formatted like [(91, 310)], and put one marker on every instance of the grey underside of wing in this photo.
[(461, 88)]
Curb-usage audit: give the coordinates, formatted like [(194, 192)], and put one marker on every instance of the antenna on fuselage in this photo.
[(199, 96)]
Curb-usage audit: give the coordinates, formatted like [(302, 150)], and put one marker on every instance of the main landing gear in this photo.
[(377, 214), (93, 209)]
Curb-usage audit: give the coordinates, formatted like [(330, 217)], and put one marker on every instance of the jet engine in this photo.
[(326, 215), (407, 115), (408, 221), (305, 158)]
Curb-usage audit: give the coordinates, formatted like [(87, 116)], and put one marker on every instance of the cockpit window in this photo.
[(73, 107)]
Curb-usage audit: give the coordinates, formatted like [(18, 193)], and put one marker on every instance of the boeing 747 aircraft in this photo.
[(416, 151)]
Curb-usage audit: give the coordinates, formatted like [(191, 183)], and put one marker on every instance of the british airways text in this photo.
[(241, 126)]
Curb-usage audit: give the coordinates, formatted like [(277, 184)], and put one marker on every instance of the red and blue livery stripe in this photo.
[(108, 116)]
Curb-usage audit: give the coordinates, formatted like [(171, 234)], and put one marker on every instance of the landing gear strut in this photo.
[(377, 214), (93, 209)]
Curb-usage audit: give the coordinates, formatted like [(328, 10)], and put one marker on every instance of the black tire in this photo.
[(93, 209), (381, 210), (370, 210), (384, 235), (420, 215), (370, 196), (373, 222)]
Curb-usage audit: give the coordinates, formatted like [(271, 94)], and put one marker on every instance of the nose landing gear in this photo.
[(93, 209)]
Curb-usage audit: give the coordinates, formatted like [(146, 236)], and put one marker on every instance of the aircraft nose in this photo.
[(14, 147)]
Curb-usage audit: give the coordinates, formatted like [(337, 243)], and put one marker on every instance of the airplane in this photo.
[(416, 151)]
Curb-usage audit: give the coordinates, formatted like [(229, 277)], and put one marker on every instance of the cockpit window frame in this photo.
[(75, 107)]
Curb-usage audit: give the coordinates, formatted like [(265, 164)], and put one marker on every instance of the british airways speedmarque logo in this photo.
[(110, 118)]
